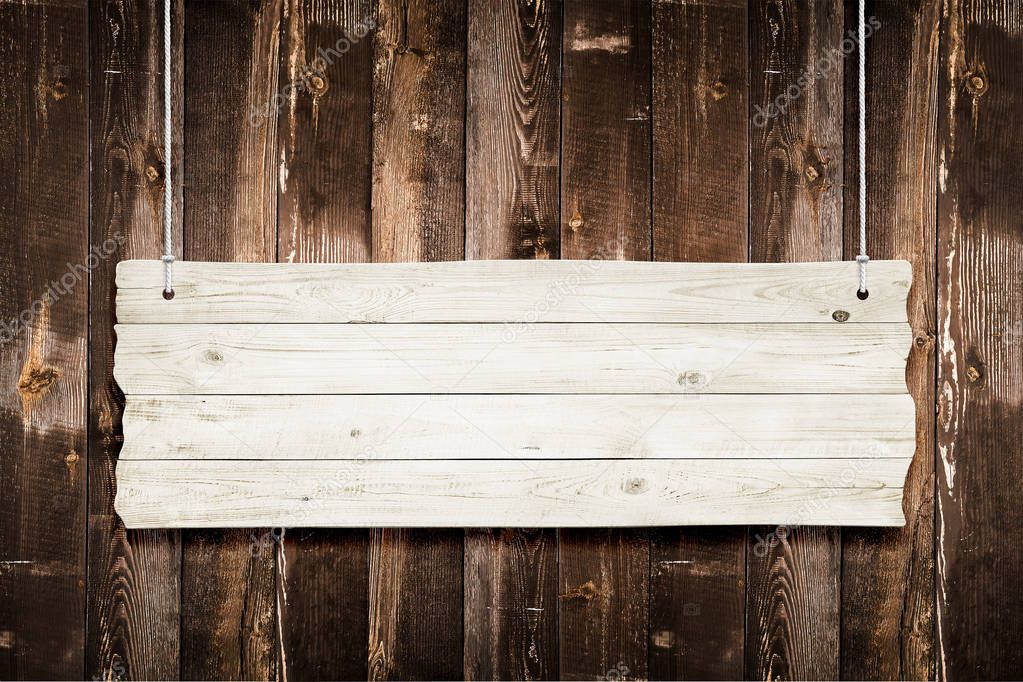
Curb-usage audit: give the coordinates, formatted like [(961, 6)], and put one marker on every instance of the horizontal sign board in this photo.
[(513, 393)]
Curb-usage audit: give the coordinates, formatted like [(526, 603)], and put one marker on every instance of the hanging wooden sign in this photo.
[(513, 393)]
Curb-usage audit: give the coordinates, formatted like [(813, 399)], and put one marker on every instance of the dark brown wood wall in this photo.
[(401, 130)]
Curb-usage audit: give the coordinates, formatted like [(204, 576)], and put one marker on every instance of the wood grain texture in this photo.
[(511, 605), (416, 603), (416, 587), (228, 628), (605, 214), (594, 290), (513, 161), (700, 119), (230, 199), (228, 605), (324, 193), (796, 153), (700, 199), (888, 575), (513, 120), (419, 131), (980, 366), (794, 586), (44, 204), (697, 603), (325, 113), (134, 596), (704, 426), (486, 358), (887, 604), (605, 144), (487, 493)]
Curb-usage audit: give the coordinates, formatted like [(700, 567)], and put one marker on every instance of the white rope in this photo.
[(168, 237), (863, 259)]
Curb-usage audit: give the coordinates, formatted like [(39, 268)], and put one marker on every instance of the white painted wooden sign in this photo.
[(513, 393)]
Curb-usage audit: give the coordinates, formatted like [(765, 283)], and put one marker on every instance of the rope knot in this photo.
[(167, 259), (863, 259)]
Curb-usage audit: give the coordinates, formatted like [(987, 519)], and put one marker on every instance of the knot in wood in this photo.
[(317, 85), (976, 83), (635, 486), (840, 316), (692, 379)]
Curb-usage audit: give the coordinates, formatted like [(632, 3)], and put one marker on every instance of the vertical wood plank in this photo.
[(231, 99), (44, 209), (700, 117), (326, 136), (512, 160), (415, 604), (419, 131), (134, 576), (511, 605), (513, 120), (700, 212), (416, 594), (980, 333), (230, 213), (888, 574), (605, 214), (324, 197), (793, 574), (605, 174)]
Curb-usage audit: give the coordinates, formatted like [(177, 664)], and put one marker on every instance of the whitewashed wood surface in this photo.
[(501, 291), (573, 393), (492, 427), (493, 358), (496, 493)]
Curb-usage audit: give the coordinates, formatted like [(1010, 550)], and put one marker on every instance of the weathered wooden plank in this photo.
[(323, 597), (227, 605), (416, 587), (230, 199), (605, 214), (700, 212), (700, 120), (513, 135), (228, 585), (520, 291), (697, 602), (511, 620), (513, 130), (419, 131), (888, 574), (482, 493), (134, 576), (326, 175), (980, 363), (410, 569), (548, 358), (44, 209), (325, 131), (543, 427), (796, 179)]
